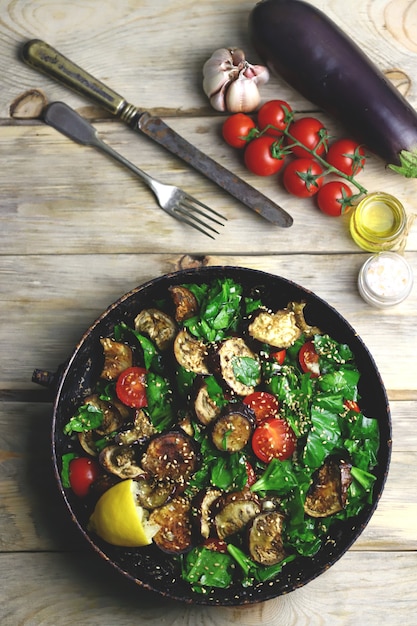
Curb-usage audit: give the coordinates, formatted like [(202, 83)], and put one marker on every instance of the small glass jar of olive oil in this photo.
[(378, 223)]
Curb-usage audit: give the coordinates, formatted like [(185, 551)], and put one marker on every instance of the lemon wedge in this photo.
[(120, 520)]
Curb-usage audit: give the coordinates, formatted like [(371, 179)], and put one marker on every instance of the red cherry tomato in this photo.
[(334, 198), (351, 405), (279, 356), (311, 133), (347, 156), (259, 158), (251, 475), (274, 113), (215, 545), (309, 359), (83, 472), (131, 387), (236, 129), (303, 177), (263, 404), (273, 439)]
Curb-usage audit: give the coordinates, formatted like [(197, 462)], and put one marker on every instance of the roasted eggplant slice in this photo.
[(233, 511), (232, 430), (201, 511), (172, 455), (175, 532), (190, 353), (158, 326), (206, 410), (152, 493), (228, 354), (112, 417), (265, 541), (185, 302), (87, 441), (120, 460), (137, 431), (117, 357), (276, 329), (306, 329), (345, 480), (327, 494)]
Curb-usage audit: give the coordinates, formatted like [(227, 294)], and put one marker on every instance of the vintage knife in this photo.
[(43, 57)]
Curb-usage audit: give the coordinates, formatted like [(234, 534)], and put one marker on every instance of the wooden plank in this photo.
[(92, 205), (359, 588), (52, 300), (126, 50)]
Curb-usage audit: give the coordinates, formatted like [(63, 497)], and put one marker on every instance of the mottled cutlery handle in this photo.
[(43, 57)]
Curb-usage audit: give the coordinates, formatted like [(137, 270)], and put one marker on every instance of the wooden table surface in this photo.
[(77, 231)]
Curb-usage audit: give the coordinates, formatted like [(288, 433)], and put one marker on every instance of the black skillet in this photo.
[(149, 567)]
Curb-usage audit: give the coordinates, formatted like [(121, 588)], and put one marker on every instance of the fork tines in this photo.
[(188, 211)]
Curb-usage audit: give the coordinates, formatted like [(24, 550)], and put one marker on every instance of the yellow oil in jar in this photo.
[(378, 222)]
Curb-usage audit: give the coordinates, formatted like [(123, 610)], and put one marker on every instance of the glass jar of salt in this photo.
[(385, 279)]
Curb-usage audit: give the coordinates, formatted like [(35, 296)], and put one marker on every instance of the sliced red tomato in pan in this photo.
[(263, 404), (309, 359), (352, 405), (251, 474), (131, 387), (279, 356), (273, 439)]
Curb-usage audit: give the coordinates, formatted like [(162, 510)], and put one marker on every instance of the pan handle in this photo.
[(44, 378), (47, 379)]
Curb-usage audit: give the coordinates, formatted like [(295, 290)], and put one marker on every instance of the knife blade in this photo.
[(43, 57)]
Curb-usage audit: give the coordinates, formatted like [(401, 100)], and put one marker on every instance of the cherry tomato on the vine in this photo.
[(274, 113), (303, 177), (263, 404), (311, 133), (309, 359), (347, 156), (83, 472), (334, 198), (259, 158), (131, 387), (273, 439), (236, 129)]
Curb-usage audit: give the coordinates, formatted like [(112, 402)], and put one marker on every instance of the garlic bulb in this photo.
[(231, 83)]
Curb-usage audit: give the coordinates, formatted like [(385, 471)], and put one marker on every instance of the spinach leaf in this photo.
[(160, 400), (342, 381), (220, 311), (207, 568), (253, 571), (279, 476), (229, 472), (152, 358), (324, 437), (66, 460), (215, 391), (331, 352), (247, 370), (184, 380), (86, 418)]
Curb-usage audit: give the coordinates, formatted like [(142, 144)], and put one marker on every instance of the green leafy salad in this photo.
[(241, 426)]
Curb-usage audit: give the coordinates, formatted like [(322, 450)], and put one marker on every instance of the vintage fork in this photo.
[(171, 199)]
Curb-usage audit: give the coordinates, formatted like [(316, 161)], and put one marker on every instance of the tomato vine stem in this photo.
[(328, 169)]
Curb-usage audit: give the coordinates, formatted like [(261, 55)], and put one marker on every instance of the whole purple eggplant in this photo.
[(313, 55)]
